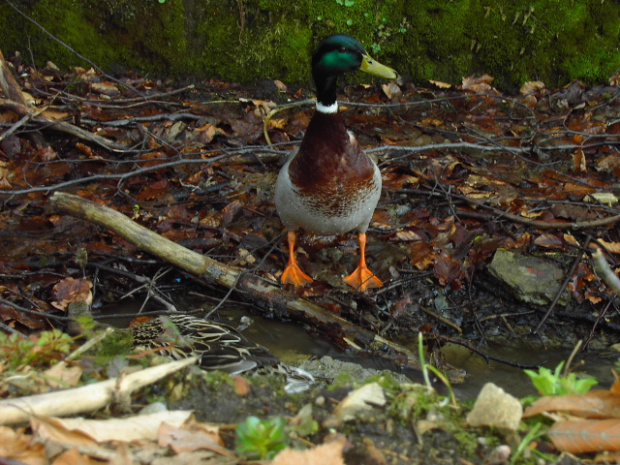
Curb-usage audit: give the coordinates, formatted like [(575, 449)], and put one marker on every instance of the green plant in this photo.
[(260, 439), (36, 350), (554, 383), (426, 368)]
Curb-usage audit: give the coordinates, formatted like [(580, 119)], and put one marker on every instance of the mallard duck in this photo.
[(330, 186), (219, 347)]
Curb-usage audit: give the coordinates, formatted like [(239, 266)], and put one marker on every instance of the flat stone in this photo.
[(531, 280)]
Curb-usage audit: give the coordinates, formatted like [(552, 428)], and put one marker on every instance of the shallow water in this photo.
[(291, 342)]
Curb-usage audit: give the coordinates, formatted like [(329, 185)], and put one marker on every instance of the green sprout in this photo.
[(553, 383), (260, 439)]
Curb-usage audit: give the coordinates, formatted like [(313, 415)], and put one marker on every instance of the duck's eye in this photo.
[(342, 49)]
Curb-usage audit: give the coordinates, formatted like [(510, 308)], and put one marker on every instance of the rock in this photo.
[(328, 367), (365, 398), (531, 280), (495, 407)]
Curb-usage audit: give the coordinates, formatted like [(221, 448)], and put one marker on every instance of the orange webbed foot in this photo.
[(292, 273), (362, 278)]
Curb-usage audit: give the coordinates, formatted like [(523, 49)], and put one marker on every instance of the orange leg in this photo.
[(362, 278), (292, 273)]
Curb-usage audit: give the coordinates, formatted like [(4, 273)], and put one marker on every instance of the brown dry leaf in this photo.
[(154, 190), (448, 271), (72, 290), (607, 457), (550, 241), (278, 123), (479, 85), (262, 106), (579, 162), (212, 220), (54, 429), (55, 115), (391, 90), (407, 236), (63, 376), (229, 212), (530, 101), (611, 247), (73, 457), (4, 175), (430, 122), (15, 445), (325, 454), (422, 255), (191, 437), (105, 88), (125, 429), (86, 150), (207, 132), (526, 212), (531, 87), (594, 404), (586, 435), (47, 154), (280, 85), (440, 84), (570, 239), (593, 297), (608, 163)]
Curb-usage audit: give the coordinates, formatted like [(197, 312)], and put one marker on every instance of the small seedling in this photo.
[(553, 383), (261, 439)]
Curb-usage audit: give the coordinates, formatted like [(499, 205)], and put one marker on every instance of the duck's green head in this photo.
[(337, 54)]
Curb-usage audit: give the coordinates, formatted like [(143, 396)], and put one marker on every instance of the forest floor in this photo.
[(467, 170)]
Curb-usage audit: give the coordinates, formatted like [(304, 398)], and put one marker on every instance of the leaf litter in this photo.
[(467, 170)]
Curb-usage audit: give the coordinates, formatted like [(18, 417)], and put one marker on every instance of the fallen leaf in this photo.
[(62, 376), (479, 85), (280, 85), (448, 271), (532, 87), (191, 437), (391, 90), (88, 432), (440, 84), (325, 454), (72, 290), (21, 448), (579, 436), (596, 403)]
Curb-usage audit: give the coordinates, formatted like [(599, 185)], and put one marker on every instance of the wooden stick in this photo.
[(86, 398)]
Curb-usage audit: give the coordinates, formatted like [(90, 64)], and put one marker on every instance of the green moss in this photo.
[(551, 40)]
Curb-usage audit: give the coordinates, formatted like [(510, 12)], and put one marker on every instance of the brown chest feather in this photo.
[(329, 162)]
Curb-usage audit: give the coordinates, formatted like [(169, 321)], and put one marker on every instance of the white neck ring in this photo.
[(333, 108)]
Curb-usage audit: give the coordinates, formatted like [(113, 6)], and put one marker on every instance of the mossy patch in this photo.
[(554, 41)]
